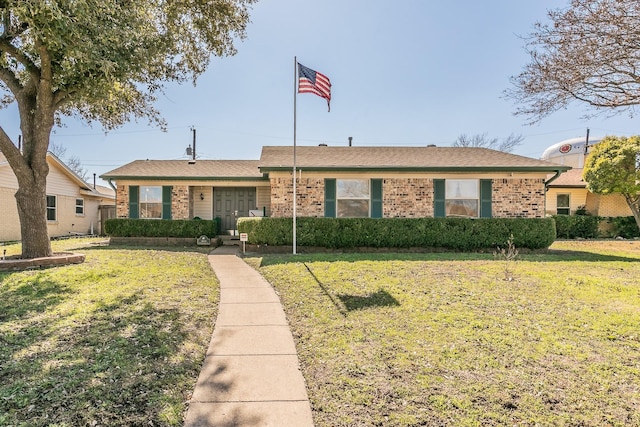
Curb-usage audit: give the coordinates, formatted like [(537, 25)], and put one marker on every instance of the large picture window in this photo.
[(462, 197), (563, 206), (150, 202), (353, 197), (51, 208)]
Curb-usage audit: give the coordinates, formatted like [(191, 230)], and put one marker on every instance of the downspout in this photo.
[(111, 185), (550, 180)]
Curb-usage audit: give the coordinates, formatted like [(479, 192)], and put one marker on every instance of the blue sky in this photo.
[(404, 73)]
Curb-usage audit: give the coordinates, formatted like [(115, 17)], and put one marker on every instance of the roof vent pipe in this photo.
[(350, 140)]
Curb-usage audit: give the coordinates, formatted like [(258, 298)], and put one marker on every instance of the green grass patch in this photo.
[(444, 339), (117, 340)]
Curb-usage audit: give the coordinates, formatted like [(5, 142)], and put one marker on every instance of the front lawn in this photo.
[(117, 340), (445, 339)]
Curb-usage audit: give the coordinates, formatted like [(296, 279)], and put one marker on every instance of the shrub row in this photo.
[(572, 226), (588, 227), (127, 227), (461, 234)]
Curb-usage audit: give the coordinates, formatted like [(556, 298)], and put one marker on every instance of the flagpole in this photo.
[(295, 96)]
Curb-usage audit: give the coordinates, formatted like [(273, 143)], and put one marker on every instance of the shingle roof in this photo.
[(572, 178), (416, 158), (183, 169)]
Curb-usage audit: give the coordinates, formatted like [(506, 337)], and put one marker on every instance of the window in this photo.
[(461, 197), (51, 208), (150, 202), (562, 204), (352, 197), (79, 206)]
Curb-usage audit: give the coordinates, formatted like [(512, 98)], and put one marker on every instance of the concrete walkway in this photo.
[(250, 375)]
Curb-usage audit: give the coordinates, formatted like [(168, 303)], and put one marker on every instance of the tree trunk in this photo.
[(32, 209), (634, 205)]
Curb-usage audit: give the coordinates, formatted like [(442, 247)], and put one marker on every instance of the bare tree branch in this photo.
[(589, 53)]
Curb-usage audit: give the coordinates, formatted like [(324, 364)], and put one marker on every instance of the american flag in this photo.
[(311, 81)]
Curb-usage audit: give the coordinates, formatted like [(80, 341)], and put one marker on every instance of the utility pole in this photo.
[(193, 152)]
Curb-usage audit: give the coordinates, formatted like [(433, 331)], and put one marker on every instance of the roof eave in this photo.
[(419, 169), (184, 178)]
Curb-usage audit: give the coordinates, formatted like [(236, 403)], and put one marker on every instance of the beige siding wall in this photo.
[(66, 190), (203, 208), (9, 222), (68, 222), (263, 199), (577, 199), (608, 205)]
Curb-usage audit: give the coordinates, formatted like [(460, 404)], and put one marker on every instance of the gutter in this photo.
[(111, 185), (550, 180)]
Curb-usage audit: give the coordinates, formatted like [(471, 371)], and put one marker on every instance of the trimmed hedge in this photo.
[(129, 227), (624, 226), (461, 234), (572, 226)]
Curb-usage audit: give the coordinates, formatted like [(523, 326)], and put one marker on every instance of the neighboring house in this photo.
[(568, 193), (72, 205), (389, 182)]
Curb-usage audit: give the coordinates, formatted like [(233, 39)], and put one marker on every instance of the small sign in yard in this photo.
[(244, 237)]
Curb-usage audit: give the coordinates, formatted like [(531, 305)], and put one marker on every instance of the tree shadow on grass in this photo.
[(34, 295), (128, 362)]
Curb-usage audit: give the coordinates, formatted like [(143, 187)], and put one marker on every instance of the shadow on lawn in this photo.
[(381, 298), (35, 294), (348, 302), (118, 364)]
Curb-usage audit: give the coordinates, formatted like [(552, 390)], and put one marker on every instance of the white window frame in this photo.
[(144, 203), (350, 191), (463, 196), (53, 208), (80, 206), (566, 209)]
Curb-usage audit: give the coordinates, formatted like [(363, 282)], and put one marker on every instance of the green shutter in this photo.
[(376, 198), (485, 198), (438, 198), (133, 201), (330, 198), (166, 201)]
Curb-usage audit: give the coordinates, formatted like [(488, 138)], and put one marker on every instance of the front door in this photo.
[(229, 204)]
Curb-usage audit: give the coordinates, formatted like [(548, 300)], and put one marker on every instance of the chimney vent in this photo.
[(350, 140)]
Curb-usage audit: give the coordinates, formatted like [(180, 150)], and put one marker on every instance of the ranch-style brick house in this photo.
[(332, 181)]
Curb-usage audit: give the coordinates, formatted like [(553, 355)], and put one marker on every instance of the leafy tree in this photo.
[(102, 61), (482, 140), (590, 53), (613, 168)]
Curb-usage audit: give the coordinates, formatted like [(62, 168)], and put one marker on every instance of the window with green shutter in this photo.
[(485, 198), (166, 201), (330, 198), (376, 198), (438, 198), (469, 198), (133, 201)]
